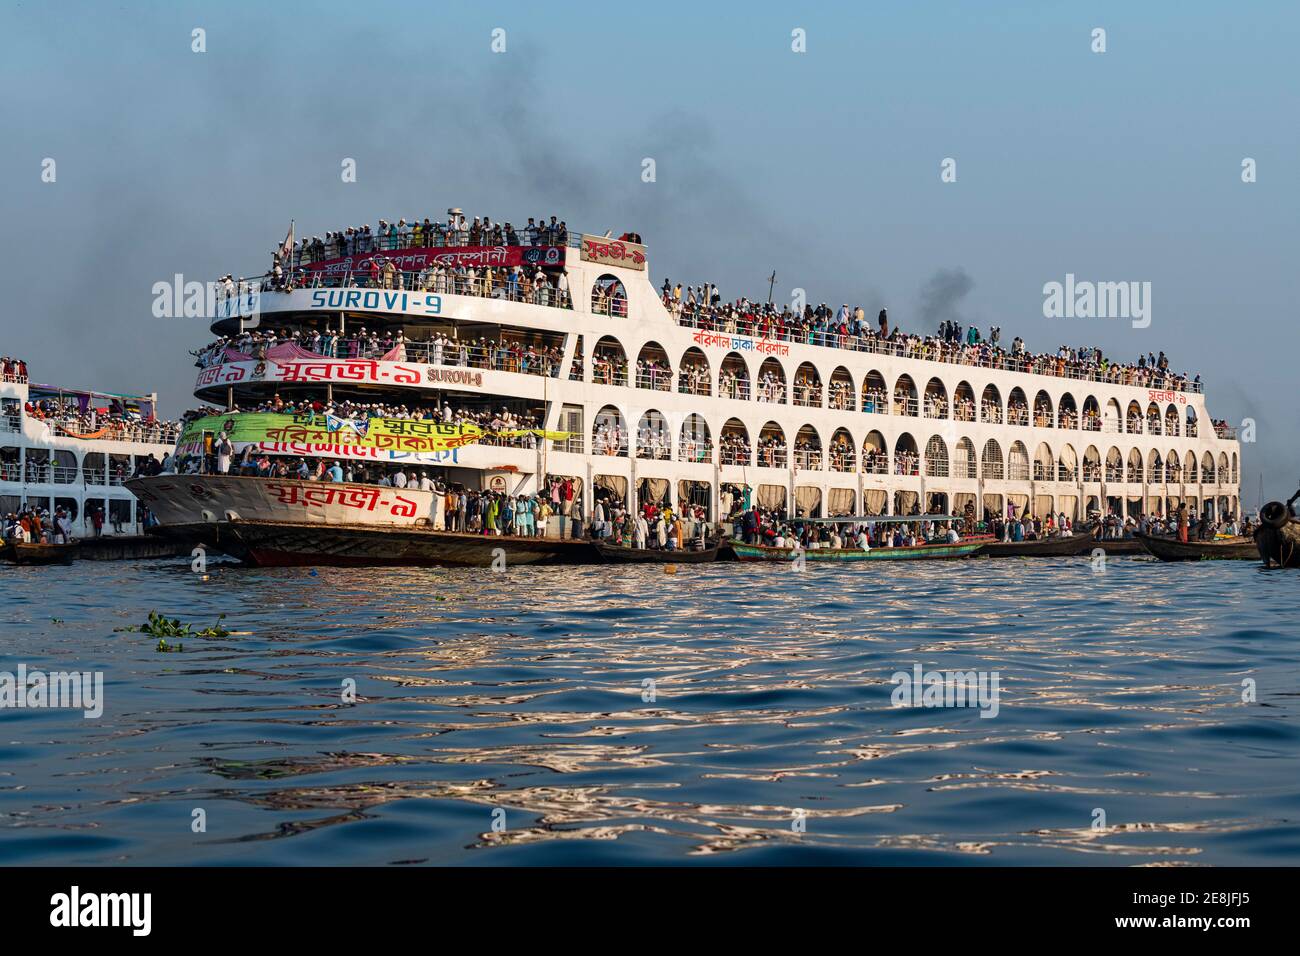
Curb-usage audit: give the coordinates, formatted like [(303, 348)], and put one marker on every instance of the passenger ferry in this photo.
[(632, 392), (75, 449)]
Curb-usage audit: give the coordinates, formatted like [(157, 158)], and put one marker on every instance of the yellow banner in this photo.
[(405, 435)]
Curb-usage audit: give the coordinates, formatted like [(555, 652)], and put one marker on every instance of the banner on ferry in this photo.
[(613, 252), (400, 435), (474, 257)]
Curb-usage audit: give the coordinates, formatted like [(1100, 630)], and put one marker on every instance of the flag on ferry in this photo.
[(286, 247)]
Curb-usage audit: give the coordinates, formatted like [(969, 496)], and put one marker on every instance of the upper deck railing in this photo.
[(1003, 361)]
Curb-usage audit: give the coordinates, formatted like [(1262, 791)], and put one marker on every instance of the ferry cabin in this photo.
[(661, 410)]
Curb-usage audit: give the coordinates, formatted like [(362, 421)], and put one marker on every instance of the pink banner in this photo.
[(413, 260)]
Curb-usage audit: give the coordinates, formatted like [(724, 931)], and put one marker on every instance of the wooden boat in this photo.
[(617, 554), (1277, 539), (1056, 547), (920, 552), (26, 552), (1171, 549)]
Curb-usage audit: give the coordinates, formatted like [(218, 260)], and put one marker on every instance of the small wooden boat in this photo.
[(1277, 539), (26, 552), (1057, 547), (1225, 549), (920, 552), (617, 554)]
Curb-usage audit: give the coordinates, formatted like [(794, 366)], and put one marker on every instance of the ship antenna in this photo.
[(771, 284)]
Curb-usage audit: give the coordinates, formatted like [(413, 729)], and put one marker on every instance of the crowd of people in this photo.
[(69, 416), (457, 231), (14, 370), (531, 357), (702, 307)]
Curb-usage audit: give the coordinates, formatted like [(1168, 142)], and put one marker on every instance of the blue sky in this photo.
[(823, 166)]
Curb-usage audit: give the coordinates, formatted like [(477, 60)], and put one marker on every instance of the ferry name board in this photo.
[(613, 252), (376, 300)]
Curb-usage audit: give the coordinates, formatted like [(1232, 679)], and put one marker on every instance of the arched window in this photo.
[(936, 399), (936, 458), (608, 297), (734, 447), (771, 446), (808, 449), (963, 403), (771, 382), (807, 386), (1067, 416), (733, 378), (906, 459), (1018, 462), (875, 394), (963, 459), (842, 395), (609, 433), (991, 463), (905, 402), (695, 444), (609, 362), (1043, 410), (842, 454), (991, 405), (875, 454), (1017, 408), (653, 438), (653, 370)]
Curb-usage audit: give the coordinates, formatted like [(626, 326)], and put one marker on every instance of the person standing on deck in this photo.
[(1182, 522)]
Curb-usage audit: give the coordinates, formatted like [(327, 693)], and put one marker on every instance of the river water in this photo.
[(722, 714)]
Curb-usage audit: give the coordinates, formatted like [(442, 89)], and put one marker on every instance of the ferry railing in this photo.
[(11, 379), (1018, 471), (444, 238), (11, 423), (94, 476), (991, 413), (571, 444), (696, 451), (1225, 431), (1191, 429), (771, 457), (993, 470), (936, 466), (607, 305), (656, 451), (504, 284), (964, 414), (738, 390), (1018, 416), (807, 396), (936, 409), (608, 373), (1133, 426), (10, 471), (907, 464), (772, 393), (698, 386), (875, 465), (607, 445), (875, 403), (906, 406), (659, 380), (735, 456), (927, 349), (844, 461), (807, 459)]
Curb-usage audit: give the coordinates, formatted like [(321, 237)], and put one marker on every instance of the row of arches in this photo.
[(695, 375), (772, 447)]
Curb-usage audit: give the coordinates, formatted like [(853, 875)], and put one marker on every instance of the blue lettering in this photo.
[(352, 299), (318, 300)]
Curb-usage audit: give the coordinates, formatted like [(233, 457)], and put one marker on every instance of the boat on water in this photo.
[(1277, 539), (72, 449), (920, 552), (640, 396), (1238, 548), (1054, 547), (25, 552), (617, 554)]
